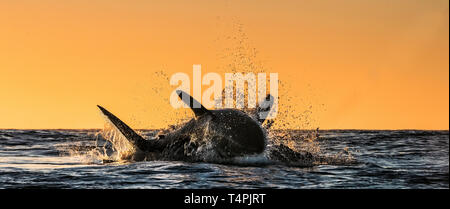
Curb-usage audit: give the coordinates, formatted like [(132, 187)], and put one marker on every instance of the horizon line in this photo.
[(325, 129)]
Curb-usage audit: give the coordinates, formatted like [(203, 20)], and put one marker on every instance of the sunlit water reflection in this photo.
[(386, 159)]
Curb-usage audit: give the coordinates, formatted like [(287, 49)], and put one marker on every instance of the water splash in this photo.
[(237, 57), (110, 146), (290, 147)]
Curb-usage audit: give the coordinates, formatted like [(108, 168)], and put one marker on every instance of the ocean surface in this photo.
[(379, 159)]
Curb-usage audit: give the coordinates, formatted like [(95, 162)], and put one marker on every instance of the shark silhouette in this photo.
[(209, 136)]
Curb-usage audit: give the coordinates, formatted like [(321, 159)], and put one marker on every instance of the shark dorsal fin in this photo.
[(263, 109), (195, 106)]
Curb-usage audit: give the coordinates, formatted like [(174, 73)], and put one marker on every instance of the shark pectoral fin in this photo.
[(126, 131), (196, 106), (264, 107)]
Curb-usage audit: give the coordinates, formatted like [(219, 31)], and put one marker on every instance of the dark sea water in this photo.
[(381, 159)]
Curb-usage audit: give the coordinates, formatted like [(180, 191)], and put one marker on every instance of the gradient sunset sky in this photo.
[(356, 64)]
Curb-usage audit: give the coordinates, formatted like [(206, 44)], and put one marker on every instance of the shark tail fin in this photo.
[(263, 108), (195, 106)]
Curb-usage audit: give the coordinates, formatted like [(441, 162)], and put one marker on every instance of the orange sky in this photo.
[(359, 64)]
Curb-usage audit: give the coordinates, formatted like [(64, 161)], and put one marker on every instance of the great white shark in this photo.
[(212, 135)]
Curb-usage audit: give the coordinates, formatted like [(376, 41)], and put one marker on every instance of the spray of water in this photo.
[(294, 129)]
